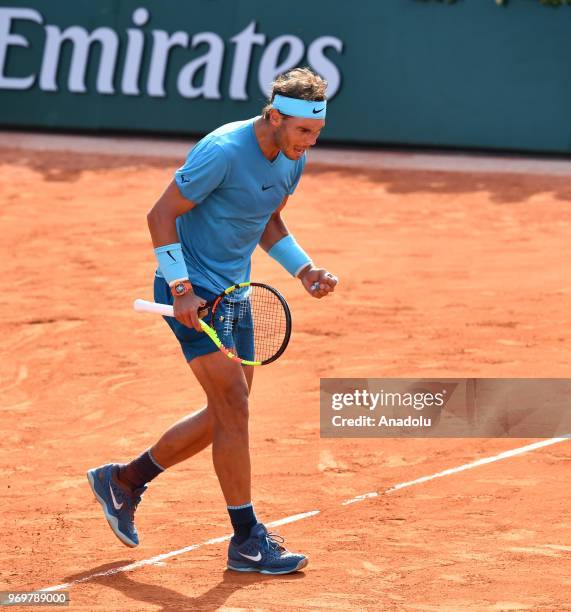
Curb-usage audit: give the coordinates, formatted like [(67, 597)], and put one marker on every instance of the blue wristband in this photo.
[(290, 255), (171, 262)]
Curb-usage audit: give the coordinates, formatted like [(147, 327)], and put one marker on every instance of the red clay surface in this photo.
[(440, 275)]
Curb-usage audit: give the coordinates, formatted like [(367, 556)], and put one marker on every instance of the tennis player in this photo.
[(226, 199)]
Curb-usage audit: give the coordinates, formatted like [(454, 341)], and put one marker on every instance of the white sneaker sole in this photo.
[(303, 563)]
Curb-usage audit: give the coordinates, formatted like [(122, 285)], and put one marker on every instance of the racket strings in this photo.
[(268, 318), (229, 319), (270, 322)]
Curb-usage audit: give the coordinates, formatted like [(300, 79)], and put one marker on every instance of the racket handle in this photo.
[(145, 306), (163, 309)]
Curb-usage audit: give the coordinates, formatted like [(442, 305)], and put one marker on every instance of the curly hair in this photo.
[(300, 83)]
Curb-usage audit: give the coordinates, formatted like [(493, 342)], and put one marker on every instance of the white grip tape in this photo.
[(166, 311), (145, 306)]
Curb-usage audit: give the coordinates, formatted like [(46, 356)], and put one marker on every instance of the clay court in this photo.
[(442, 273)]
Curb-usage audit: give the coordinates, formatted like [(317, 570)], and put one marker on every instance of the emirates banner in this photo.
[(470, 74)]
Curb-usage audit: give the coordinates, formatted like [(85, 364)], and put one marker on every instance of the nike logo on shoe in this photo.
[(258, 557), (115, 504)]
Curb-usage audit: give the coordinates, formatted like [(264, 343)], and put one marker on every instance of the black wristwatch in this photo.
[(181, 288)]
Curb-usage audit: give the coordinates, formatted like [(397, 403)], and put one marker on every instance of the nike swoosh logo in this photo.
[(256, 558), (171, 256), (316, 111), (266, 187), (117, 506), (183, 179)]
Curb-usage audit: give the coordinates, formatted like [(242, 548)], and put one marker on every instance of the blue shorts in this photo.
[(233, 324)]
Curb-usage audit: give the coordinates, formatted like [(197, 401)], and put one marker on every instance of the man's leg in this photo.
[(119, 487), (226, 388), (191, 434), (184, 439)]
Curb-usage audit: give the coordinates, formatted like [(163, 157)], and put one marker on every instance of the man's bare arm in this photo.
[(162, 217), (318, 282), (162, 225), (275, 228)]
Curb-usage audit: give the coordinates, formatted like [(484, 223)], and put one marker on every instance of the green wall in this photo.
[(470, 74)]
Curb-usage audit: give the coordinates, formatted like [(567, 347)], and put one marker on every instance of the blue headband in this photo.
[(308, 109)]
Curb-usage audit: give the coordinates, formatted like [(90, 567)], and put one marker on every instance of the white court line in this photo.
[(159, 559), (467, 466)]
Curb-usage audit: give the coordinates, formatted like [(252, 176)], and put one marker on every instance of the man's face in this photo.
[(295, 135)]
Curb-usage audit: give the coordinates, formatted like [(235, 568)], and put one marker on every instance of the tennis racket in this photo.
[(263, 308)]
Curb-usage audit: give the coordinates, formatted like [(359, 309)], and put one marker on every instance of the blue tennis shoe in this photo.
[(119, 502), (263, 552)]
